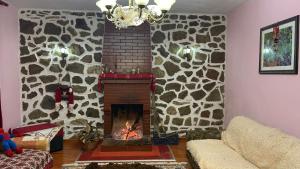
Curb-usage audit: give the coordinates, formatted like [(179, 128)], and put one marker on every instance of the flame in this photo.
[(127, 133), (128, 126)]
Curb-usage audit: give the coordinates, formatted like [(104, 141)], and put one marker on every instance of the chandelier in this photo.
[(136, 13)]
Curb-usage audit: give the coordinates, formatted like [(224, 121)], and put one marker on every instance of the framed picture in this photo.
[(279, 47)]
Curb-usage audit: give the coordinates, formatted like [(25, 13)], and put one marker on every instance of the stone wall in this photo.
[(41, 34), (190, 89)]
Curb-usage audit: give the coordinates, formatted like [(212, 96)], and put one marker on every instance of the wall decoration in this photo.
[(279, 47)]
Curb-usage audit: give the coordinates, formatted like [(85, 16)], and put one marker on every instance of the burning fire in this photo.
[(129, 131)]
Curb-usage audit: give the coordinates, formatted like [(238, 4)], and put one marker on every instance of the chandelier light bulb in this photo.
[(154, 9), (102, 5), (165, 5), (111, 2), (105, 3), (142, 2)]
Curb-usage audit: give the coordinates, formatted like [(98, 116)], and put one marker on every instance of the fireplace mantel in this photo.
[(110, 78), (122, 81), (126, 91)]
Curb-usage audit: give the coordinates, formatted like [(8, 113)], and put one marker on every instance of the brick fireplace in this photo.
[(127, 93), (124, 50)]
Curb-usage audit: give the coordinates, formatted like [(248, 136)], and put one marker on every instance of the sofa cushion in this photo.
[(291, 159), (265, 147), (236, 130), (214, 154), (261, 145)]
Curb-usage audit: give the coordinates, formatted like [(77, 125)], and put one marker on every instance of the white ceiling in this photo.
[(181, 6)]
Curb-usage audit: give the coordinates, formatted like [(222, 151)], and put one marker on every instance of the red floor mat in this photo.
[(159, 153)]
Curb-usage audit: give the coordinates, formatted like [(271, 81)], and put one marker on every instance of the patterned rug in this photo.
[(29, 159), (156, 153), (162, 165)]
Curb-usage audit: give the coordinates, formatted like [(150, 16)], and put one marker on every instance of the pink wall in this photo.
[(271, 99), (9, 67)]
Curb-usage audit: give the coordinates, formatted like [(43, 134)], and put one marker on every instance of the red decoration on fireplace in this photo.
[(116, 76)]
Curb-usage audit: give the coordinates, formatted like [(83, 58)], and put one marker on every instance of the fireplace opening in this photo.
[(127, 121)]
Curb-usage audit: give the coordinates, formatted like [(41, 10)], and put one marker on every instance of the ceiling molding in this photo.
[(181, 6)]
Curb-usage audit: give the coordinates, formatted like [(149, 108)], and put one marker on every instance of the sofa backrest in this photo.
[(263, 146), (236, 131)]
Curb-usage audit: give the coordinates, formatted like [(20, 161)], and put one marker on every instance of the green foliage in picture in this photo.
[(278, 54)]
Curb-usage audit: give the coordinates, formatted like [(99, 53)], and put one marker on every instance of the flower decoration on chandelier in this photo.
[(136, 13)]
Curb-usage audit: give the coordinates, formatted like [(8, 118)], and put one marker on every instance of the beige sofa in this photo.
[(247, 144)]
